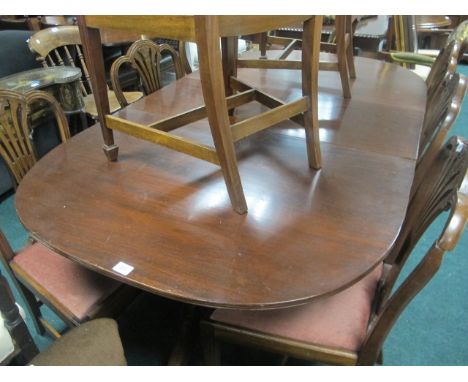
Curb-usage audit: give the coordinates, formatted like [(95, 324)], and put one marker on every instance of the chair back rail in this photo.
[(445, 188)]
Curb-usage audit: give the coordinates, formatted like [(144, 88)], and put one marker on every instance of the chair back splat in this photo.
[(16, 146), (144, 56)]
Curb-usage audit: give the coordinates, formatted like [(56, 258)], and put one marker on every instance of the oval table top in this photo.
[(307, 234)]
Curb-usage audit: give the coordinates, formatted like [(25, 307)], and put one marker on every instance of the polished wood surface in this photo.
[(308, 233)]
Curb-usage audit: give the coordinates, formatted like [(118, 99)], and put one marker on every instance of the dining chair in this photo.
[(41, 275), (444, 62), (95, 343), (61, 45), (144, 56), (442, 109), (350, 327)]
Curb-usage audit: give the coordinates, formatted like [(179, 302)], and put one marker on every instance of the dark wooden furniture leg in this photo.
[(263, 45), (211, 351), (229, 51), (91, 40), (229, 54), (211, 75), (310, 67)]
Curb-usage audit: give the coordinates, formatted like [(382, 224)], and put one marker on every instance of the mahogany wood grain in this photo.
[(169, 215)]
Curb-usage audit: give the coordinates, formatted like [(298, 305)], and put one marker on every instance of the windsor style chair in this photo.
[(61, 45)]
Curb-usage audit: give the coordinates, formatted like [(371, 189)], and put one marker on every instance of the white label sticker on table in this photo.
[(123, 268)]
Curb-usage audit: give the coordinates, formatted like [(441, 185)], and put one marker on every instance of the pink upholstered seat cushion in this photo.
[(339, 321), (75, 287)]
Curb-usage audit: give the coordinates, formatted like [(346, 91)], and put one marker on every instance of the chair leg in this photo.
[(33, 305), (83, 120), (212, 79), (210, 345), (341, 54), (263, 45), (180, 354), (92, 46), (380, 358), (349, 47), (229, 56), (350, 59), (310, 68)]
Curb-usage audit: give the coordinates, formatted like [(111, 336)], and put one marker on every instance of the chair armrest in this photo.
[(412, 58)]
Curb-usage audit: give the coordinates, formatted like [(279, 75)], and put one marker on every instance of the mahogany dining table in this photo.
[(162, 221)]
